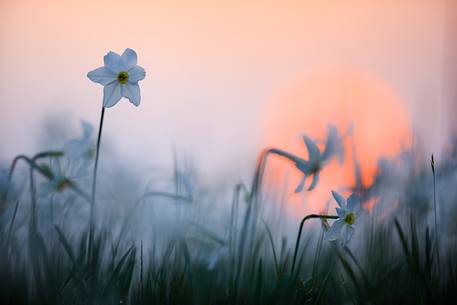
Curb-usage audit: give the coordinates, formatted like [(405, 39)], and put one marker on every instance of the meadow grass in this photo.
[(239, 254)]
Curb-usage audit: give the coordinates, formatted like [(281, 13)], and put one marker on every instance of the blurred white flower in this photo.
[(348, 213), (334, 145), (57, 180), (317, 160), (82, 149), (119, 76)]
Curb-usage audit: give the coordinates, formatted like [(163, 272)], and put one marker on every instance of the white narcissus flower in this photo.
[(348, 213), (57, 182), (82, 149), (119, 76), (317, 160), (333, 145)]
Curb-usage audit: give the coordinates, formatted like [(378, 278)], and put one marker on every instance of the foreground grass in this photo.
[(394, 262), (46, 258)]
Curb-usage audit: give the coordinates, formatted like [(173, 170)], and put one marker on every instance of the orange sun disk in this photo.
[(342, 97)]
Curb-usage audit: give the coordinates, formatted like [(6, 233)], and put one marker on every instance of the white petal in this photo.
[(349, 232), (84, 168), (334, 231), (73, 149), (331, 143), (112, 61), (353, 203), (300, 186), (111, 94), (129, 59), (341, 213), (340, 200), (136, 74), (102, 76), (303, 165), (132, 92), (313, 150), (46, 188), (314, 182), (57, 169), (87, 129)]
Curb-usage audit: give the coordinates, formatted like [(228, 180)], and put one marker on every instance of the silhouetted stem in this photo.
[(29, 161), (94, 181), (44, 173), (434, 210), (297, 243), (252, 201), (35, 158), (33, 201), (141, 272), (10, 230), (163, 195), (33, 166)]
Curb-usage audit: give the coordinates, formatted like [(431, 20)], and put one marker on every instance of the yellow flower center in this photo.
[(62, 184), (325, 224), (349, 219), (123, 77)]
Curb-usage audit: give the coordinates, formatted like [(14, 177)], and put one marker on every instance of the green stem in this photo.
[(297, 243), (94, 181), (35, 158)]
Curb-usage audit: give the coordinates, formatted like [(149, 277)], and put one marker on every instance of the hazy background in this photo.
[(218, 72)]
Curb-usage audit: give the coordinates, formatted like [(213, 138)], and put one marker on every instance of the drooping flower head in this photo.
[(57, 182), (119, 76), (333, 145), (316, 159), (349, 213)]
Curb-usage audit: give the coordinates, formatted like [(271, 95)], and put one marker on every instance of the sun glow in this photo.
[(358, 104)]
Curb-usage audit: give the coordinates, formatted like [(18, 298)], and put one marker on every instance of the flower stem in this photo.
[(94, 181), (432, 163), (33, 201), (252, 199), (35, 158), (31, 162), (297, 244)]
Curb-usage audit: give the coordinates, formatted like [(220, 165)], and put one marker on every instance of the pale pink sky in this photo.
[(212, 68)]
